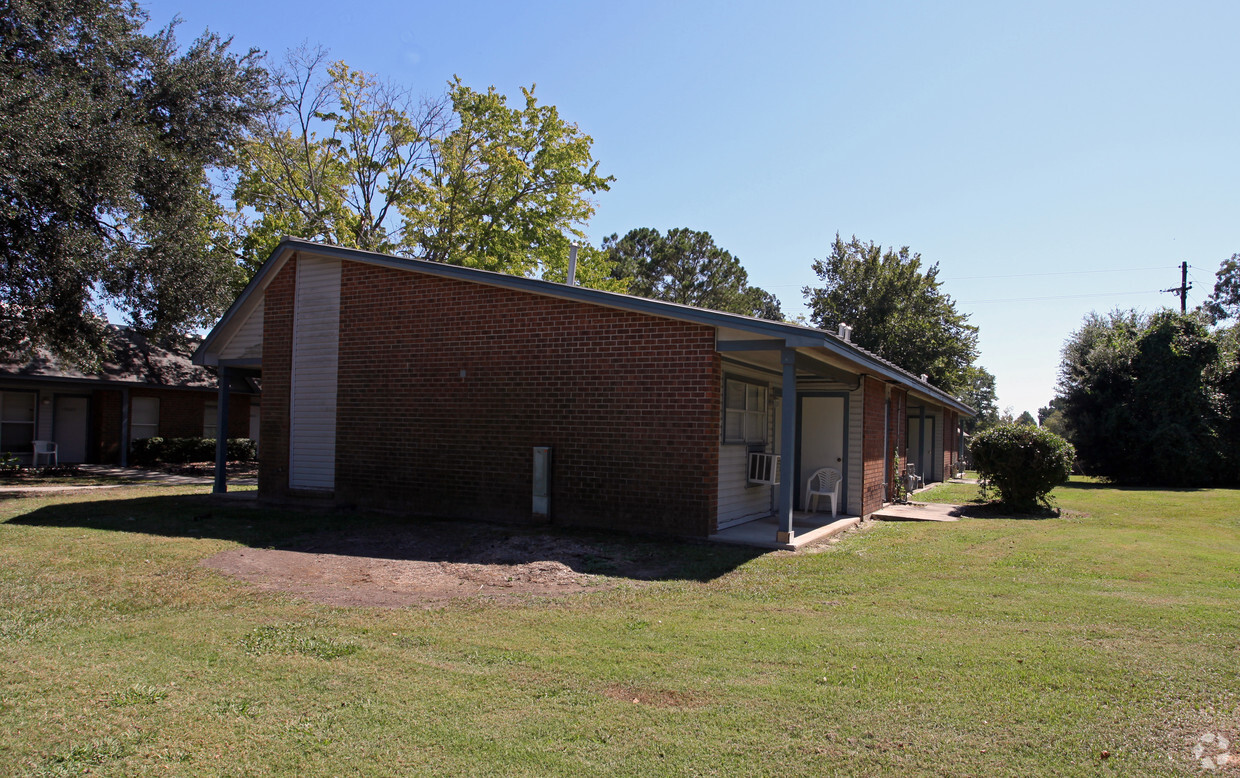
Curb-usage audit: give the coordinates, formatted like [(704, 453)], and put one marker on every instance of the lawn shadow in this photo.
[(1091, 485), (353, 533), (997, 510)]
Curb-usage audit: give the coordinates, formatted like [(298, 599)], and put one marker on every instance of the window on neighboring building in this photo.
[(744, 412), (210, 417), (17, 422), (143, 418)]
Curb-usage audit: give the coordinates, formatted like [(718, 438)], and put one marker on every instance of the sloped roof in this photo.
[(794, 335), (130, 358)]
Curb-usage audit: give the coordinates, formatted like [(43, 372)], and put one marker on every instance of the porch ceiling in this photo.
[(809, 364)]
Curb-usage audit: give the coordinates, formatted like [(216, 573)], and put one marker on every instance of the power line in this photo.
[(1060, 273), (1058, 297)]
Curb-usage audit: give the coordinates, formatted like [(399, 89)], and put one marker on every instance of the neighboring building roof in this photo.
[(793, 335), (131, 359)]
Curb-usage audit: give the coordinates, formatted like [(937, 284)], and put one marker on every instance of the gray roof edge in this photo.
[(579, 294)]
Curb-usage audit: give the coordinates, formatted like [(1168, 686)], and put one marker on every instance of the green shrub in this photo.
[(176, 451), (1023, 463)]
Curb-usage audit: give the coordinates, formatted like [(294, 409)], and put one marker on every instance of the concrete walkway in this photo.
[(807, 528), (136, 474), (159, 477), (923, 511)]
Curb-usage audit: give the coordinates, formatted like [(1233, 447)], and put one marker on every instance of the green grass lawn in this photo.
[(983, 647)]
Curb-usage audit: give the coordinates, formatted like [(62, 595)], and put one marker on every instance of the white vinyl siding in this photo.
[(316, 342), (248, 339), (738, 501), (143, 418)]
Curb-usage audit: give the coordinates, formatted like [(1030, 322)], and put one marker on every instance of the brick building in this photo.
[(140, 390), (428, 388)]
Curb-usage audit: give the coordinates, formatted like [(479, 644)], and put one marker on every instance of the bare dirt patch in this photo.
[(430, 564), (655, 698)]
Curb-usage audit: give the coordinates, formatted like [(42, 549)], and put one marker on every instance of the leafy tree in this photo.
[(977, 390), (337, 152), (685, 266), (1026, 420), (352, 160), (1224, 302), (508, 188), (1051, 417), (107, 139), (896, 309), (1141, 398)]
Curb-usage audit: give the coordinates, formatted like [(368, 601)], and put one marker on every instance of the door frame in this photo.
[(796, 497), (929, 459), (87, 440)]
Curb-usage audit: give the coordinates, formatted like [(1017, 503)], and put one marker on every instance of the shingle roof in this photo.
[(130, 359)]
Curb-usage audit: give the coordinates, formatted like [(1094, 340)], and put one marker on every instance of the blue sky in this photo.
[(1053, 158)]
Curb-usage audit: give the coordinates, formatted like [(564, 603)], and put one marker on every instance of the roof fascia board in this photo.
[(227, 325), (791, 335)]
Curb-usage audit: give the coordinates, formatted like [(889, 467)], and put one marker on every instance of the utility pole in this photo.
[(1182, 289)]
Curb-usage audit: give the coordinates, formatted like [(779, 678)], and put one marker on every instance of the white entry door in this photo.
[(69, 428), (823, 429)]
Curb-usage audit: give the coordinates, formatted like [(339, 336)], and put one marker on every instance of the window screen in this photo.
[(209, 419), (744, 413), (17, 422), (144, 418)]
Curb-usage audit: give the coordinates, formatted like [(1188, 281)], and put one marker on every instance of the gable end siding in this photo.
[(312, 404), (446, 386)]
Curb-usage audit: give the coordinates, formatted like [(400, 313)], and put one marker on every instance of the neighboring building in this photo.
[(140, 390), (426, 388)]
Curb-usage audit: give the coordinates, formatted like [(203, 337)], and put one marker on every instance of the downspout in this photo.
[(887, 476), (221, 433)]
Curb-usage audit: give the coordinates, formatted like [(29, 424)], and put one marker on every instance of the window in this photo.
[(209, 418), (17, 422), (744, 412), (144, 418)]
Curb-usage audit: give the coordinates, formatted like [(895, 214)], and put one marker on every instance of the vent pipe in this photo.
[(845, 332), (572, 264)]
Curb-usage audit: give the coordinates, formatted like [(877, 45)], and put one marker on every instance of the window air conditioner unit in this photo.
[(764, 468)]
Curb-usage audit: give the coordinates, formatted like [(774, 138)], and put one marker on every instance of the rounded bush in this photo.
[(1023, 463)]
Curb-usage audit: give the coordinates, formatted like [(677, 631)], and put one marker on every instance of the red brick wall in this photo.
[(630, 405), (277, 364), (180, 416), (106, 426), (873, 421), (181, 412)]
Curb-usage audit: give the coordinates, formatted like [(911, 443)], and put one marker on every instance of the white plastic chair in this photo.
[(823, 483), (47, 450)]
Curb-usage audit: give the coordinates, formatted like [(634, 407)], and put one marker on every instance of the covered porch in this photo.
[(814, 419), (763, 532)]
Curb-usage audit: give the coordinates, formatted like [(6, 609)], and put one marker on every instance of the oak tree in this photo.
[(897, 309), (108, 140), (686, 266)]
